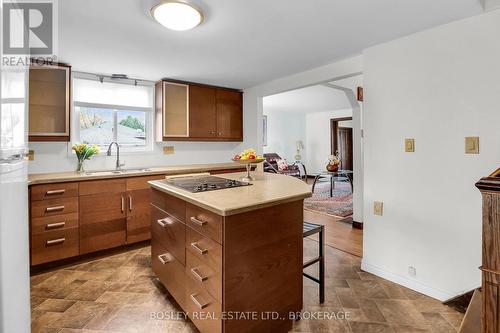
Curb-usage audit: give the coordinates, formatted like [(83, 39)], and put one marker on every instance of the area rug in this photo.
[(340, 205)]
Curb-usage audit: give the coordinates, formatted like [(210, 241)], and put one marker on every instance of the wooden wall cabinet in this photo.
[(490, 190), (49, 102), (211, 113)]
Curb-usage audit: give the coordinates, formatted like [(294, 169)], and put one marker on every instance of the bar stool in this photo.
[(311, 229)]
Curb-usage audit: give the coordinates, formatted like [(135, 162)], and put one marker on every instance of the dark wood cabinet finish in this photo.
[(232, 264), (229, 107), (490, 189), (214, 113), (202, 112)]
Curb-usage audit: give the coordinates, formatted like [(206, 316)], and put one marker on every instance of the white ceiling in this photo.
[(242, 42), (318, 98)]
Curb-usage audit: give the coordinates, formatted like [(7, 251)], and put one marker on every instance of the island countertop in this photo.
[(266, 190)]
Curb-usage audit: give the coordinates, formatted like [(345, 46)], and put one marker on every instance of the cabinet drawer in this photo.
[(54, 207), (54, 245), (102, 186), (203, 309), (141, 183), (203, 248), (203, 276), (170, 272), (205, 222), (57, 222), (102, 235), (169, 232), (170, 204), (54, 191)]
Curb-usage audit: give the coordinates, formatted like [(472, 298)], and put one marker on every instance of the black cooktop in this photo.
[(204, 183)]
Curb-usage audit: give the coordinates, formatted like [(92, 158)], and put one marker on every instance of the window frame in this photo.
[(149, 115)]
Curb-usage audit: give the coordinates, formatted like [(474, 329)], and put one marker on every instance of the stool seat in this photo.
[(308, 230)]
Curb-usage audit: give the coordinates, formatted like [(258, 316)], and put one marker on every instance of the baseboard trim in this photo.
[(357, 225), (407, 282)]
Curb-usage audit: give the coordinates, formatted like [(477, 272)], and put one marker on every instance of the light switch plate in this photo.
[(378, 208), (168, 150), (31, 155), (472, 145), (410, 145)]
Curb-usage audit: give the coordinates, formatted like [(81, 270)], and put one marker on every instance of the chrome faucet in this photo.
[(118, 164)]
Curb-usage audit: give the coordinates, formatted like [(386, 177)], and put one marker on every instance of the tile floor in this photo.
[(120, 293)]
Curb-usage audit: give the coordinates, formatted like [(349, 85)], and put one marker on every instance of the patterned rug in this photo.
[(340, 205)]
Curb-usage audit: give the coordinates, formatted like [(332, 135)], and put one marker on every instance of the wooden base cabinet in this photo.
[(245, 263), (490, 189)]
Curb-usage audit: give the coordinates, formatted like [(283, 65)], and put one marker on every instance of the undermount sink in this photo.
[(116, 172)]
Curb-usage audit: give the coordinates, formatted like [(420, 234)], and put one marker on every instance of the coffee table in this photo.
[(341, 175)]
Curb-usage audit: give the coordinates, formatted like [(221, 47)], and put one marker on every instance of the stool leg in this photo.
[(322, 265)]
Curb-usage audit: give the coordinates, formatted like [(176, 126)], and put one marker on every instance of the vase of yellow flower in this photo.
[(83, 152)]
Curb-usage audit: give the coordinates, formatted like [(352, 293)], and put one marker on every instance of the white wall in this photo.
[(51, 157), (318, 138), (436, 86), (284, 129)]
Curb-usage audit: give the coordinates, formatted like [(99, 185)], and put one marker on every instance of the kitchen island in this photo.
[(232, 258)]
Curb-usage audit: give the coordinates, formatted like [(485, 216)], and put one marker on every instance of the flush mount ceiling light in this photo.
[(177, 15)]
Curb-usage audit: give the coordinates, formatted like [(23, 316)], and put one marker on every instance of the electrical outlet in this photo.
[(31, 155), (412, 271), (378, 208), (168, 150), (472, 145), (410, 145)]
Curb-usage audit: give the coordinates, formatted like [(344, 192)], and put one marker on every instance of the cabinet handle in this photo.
[(55, 241), (162, 260), (220, 133), (123, 204), (51, 226), (197, 303), (130, 203), (198, 221), (198, 248), (54, 209), (164, 222), (54, 192), (198, 275)]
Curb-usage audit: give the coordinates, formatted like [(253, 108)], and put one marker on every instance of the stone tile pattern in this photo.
[(121, 294)]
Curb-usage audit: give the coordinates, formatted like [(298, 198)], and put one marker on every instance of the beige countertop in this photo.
[(61, 177), (267, 190)]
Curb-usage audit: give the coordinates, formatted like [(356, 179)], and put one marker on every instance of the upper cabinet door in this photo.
[(202, 112), (175, 109), (49, 103), (229, 115)]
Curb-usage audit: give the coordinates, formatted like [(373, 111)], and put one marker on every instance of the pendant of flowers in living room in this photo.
[(333, 163)]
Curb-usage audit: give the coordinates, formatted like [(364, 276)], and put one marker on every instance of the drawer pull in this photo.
[(198, 248), (54, 192), (51, 226), (163, 259), (164, 222), (55, 241), (198, 221), (197, 303), (198, 275), (54, 209)]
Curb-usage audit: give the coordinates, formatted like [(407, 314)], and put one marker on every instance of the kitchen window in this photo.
[(107, 110)]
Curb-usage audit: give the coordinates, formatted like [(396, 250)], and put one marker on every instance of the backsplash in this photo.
[(57, 157)]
